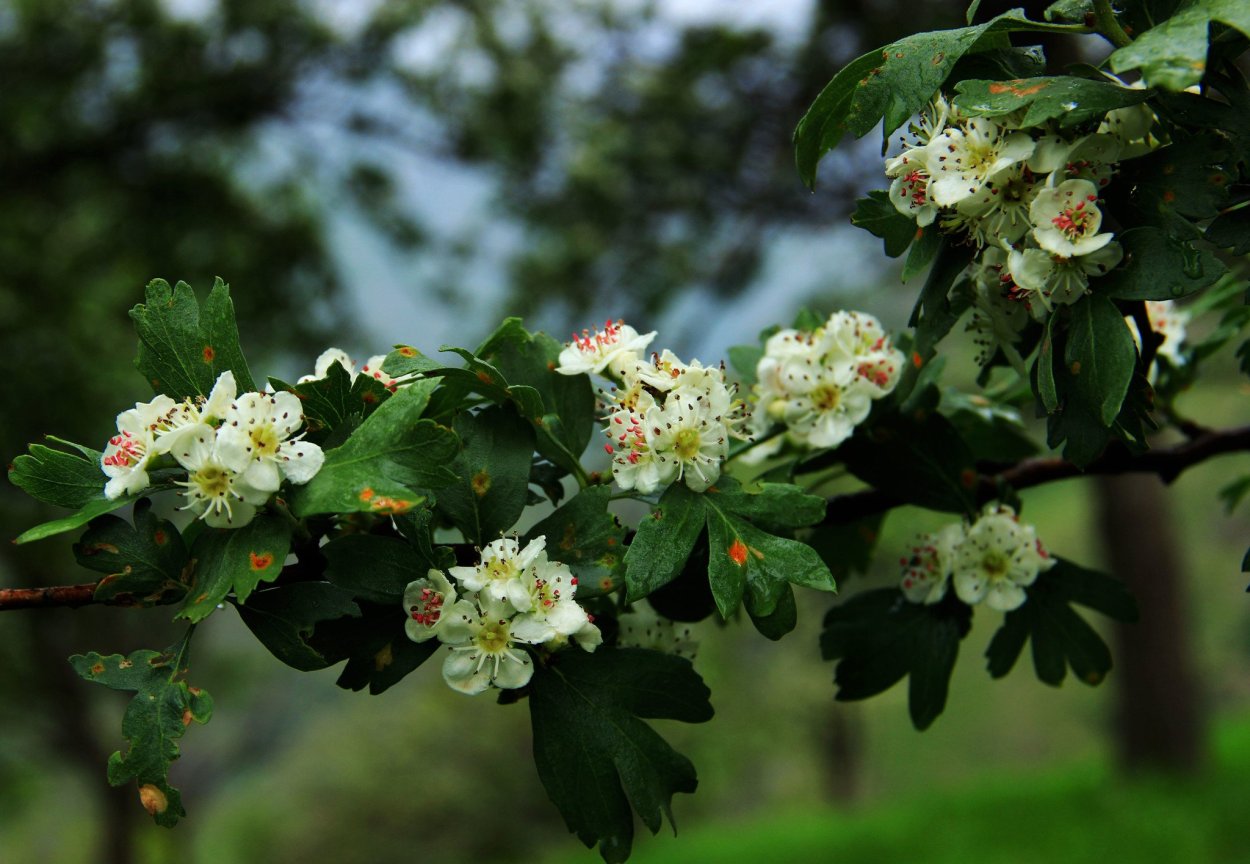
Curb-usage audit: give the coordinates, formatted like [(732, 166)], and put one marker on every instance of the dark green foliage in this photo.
[(595, 756), (1060, 637), (234, 561), (285, 618), (493, 470), (878, 637), (144, 564)]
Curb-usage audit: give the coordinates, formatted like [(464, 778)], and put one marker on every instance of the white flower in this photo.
[(1044, 280), (491, 654), (616, 347), (433, 610), (215, 493), (961, 160), (688, 438), (151, 429), (127, 454), (997, 558), (909, 190), (927, 571), (551, 614), (502, 572), (821, 385), (255, 441), (1066, 219), (999, 212)]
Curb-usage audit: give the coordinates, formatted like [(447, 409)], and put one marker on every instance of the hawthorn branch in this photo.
[(1167, 462), (56, 595)]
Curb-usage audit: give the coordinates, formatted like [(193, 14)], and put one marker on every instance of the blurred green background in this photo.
[(364, 173)]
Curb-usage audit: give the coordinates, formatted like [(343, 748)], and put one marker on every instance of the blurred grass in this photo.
[(1075, 814)]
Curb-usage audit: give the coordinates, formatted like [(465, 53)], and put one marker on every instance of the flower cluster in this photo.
[(1028, 198), (992, 559), (236, 450), (821, 384), (667, 420), (514, 598)]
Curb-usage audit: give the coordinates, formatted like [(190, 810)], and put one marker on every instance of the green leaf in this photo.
[(595, 757), (1045, 366), (1173, 54), (155, 719), (935, 313), (57, 477), (727, 565), (782, 620), (586, 536), (222, 335), (284, 619), (183, 349), (372, 568), (1060, 637), (769, 505), (493, 469), (876, 215), (1190, 178), (918, 457), (1231, 231), (568, 401), (144, 563), (92, 509), (1159, 267), (386, 463), (235, 560), (923, 251), (1071, 11), (891, 84), (1232, 494), (745, 359), (878, 637), (1069, 100), (335, 401), (1100, 355), (663, 542), (406, 360)]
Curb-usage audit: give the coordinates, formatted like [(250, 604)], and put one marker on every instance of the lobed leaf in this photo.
[(183, 348), (163, 707), (596, 757)]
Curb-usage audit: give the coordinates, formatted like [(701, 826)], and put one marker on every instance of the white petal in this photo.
[(234, 448), (300, 460), (514, 673), (223, 393), (263, 475), (461, 673)]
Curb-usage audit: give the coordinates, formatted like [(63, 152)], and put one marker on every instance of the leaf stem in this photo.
[(1107, 26)]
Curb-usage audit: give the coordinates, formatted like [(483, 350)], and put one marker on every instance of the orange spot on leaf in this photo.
[(366, 494), (738, 552), (159, 537), (209, 354), (1011, 87), (407, 351), (260, 561), (916, 359), (481, 483)]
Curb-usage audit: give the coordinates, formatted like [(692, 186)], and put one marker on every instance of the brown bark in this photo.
[(1160, 719)]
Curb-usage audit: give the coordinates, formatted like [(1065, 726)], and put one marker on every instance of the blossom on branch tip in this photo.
[(433, 610), (215, 492), (255, 440), (614, 348), (997, 559)]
